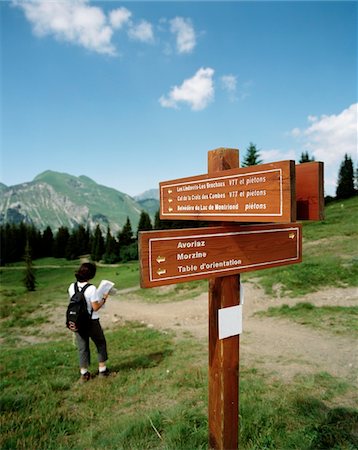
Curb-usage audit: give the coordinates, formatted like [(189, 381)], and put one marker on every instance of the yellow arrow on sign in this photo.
[(160, 259), (170, 200), (161, 271), (170, 191), (170, 209), (292, 235)]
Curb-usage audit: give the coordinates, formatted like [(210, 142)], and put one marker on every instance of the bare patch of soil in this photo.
[(277, 346)]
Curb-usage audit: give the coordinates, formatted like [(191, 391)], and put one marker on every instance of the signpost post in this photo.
[(223, 374), (265, 193)]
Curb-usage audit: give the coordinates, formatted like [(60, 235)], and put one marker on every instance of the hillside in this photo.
[(58, 199)]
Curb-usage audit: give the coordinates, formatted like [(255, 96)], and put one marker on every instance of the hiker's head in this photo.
[(86, 272)]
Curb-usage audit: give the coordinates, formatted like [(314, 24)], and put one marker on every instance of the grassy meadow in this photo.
[(156, 396)]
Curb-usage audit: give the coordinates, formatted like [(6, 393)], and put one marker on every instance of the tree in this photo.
[(125, 237), (111, 249), (29, 278), (252, 157), (60, 242), (345, 185), (82, 235), (8, 242), (305, 157), (129, 252), (47, 242), (97, 245), (145, 223)]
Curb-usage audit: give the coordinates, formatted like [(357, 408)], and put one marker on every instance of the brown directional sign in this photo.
[(174, 256), (264, 193), (310, 191)]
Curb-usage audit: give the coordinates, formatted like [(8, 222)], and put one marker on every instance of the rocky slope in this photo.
[(58, 199)]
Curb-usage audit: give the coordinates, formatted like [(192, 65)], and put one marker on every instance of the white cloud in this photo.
[(143, 32), (312, 118), (73, 21), (272, 155), (328, 138), (197, 91), (119, 17), (185, 34), (229, 84), (295, 132), (78, 22)]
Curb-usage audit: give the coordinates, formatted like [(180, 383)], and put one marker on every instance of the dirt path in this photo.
[(278, 346)]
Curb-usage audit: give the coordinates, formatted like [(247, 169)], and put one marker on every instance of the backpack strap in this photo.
[(83, 291)]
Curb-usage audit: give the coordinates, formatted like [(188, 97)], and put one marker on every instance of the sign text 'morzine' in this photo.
[(173, 256)]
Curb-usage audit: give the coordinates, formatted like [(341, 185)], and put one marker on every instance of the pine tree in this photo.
[(145, 223), (305, 157), (125, 237), (47, 242), (111, 251), (83, 240), (345, 185), (60, 242), (160, 224), (97, 245), (29, 278), (252, 157)]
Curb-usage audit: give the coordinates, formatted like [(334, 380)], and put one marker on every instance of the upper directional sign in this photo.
[(264, 193), (174, 256)]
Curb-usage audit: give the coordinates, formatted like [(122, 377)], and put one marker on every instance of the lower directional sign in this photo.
[(175, 256)]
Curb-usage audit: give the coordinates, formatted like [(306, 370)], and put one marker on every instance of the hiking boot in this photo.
[(85, 377), (103, 374)]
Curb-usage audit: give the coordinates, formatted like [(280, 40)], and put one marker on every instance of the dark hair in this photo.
[(86, 272)]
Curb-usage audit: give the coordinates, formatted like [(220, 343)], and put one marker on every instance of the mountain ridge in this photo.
[(58, 199)]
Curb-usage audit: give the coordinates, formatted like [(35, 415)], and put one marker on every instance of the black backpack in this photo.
[(77, 316)]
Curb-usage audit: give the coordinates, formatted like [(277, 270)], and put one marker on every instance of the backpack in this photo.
[(77, 316)]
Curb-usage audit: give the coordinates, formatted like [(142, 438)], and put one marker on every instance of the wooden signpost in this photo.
[(175, 256), (309, 191), (265, 193), (262, 193)]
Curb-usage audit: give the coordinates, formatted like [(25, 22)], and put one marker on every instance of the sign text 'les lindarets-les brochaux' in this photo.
[(173, 256), (264, 193)]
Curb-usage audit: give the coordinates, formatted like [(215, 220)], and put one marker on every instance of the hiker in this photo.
[(93, 330)]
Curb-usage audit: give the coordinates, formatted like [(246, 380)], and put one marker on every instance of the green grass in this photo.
[(156, 398), (295, 416), (341, 218), (23, 311), (341, 320), (330, 250), (313, 274)]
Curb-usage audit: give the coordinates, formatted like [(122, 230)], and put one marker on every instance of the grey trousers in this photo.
[(95, 332)]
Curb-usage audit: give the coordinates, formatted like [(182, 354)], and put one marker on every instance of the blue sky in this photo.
[(134, 93)]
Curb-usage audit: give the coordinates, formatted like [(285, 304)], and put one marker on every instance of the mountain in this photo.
[(149, 201), (150, 194), (58, 199), (3, 187)]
